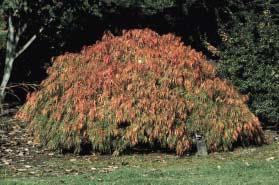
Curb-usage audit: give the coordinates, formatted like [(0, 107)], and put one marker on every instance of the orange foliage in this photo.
[(138, 88)]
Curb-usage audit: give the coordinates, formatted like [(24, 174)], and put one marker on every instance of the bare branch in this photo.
[(31, 40), (22, 29)]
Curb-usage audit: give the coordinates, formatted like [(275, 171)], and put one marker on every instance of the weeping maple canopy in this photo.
[(138, 89)]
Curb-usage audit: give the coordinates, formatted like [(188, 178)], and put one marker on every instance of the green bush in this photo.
[(250, 59)]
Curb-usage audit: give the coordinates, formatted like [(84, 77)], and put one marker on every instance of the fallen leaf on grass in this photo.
[(247, 164), (113, 167), (270, 159), (28, 166), (21, 170), (73, 160)]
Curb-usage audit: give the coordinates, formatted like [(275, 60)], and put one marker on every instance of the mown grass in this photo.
[(245, 166)]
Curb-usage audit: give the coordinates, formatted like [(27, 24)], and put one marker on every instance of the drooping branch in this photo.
[(22, 29)]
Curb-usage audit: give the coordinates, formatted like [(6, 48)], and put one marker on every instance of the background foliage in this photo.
[(72, 24), (201, 23), (2, 32), (250, 59)]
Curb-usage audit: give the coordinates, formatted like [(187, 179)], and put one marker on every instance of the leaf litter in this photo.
[(20, 157)]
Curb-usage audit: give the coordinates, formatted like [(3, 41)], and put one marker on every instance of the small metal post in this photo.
[(201, 145)]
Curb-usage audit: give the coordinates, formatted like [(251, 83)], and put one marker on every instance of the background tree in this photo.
[(250, 59), (19, 16), (26, 20), (56, 26)]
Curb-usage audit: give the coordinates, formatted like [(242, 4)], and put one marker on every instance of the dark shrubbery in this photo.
[(3, 32), (250, 59), (138, 89)]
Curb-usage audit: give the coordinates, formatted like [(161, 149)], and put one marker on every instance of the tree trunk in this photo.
[(12, 53), (12, 41)]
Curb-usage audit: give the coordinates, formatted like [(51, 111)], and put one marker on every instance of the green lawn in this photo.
[(244, 166)]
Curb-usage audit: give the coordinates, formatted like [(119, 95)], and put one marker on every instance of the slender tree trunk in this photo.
[(12, 53), (12, 41)]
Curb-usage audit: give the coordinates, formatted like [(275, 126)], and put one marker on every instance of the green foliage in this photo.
[(138, 89), (63, 17), (146, 6), (273, 6), (3, 32), (250, 59), (55, 16), (71, 24)]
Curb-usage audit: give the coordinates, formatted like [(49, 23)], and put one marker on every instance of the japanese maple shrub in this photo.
[(138, 89)]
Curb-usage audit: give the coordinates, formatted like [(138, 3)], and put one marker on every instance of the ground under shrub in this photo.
[(138, 89)]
